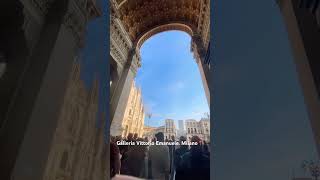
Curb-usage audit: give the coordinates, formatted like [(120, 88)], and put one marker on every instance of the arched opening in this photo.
[(200, 53), (169, 129), (133, 24)]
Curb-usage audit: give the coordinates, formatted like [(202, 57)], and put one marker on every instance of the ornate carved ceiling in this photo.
[(141, 16)]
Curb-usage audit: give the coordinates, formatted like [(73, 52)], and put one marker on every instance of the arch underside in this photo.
[(139, 17), (162, 28), (134, 21)]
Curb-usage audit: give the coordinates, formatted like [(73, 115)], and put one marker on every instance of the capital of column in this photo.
[(134, 60)]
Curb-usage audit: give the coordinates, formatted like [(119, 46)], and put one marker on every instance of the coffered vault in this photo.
[(134, 21)]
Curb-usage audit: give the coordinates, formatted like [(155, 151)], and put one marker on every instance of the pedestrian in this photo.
[(115, 163), (159, 157), (180, 152), (194, 164), (135, 161)]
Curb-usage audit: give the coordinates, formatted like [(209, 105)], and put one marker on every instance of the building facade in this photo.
[(152, 131), (149, 132), (170, 129), (198, 128), (133, 120), (181, 131), (78, 147)]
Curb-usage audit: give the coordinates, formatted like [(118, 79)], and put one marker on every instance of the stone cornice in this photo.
[(123, 33)]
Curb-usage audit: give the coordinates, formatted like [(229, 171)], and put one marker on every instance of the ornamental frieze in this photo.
[(139, 16)]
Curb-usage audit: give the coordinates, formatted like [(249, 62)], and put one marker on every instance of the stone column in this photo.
[(121, 95), (43, 88), (304, 35), (21, 81), (199, 54)]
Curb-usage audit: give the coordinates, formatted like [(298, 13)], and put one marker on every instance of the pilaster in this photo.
[(199, 53), (120, 98), (304, 35), (46, 80)]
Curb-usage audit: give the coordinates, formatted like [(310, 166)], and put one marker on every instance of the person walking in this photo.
[(159, 158)]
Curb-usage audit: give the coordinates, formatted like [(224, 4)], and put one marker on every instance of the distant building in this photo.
[(198, 128), (181, 131), (181, 125), (133, 121), (149, 131), (170, 129)]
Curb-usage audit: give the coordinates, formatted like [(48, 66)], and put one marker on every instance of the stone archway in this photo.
[(134, 21)]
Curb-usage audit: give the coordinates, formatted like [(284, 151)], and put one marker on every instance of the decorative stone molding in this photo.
[(114, 9), (79, 13), (76, 19), (204, 22), (198, 48), (136, 61), (72, 21), (162, 28), (92, 9), (120, 43), (133, 22), (139, 17), (118, 32), (117, 54)]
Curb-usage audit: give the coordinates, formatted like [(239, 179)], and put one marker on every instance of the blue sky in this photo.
[(170, 80)]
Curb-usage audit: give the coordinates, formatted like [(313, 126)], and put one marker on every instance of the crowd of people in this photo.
[(159, 162)]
